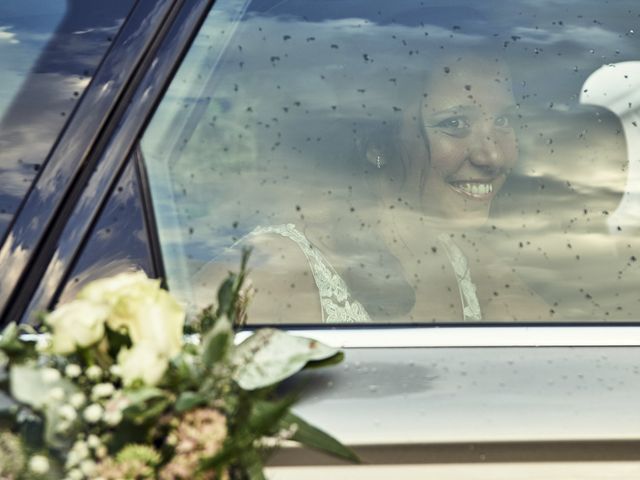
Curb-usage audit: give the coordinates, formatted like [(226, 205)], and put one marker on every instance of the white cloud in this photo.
[(8, 36), (593, 37)]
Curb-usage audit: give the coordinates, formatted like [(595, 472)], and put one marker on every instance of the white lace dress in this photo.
[(337, 304)]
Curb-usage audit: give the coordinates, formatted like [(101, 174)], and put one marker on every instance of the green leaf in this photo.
[(11, 344), (28, 387), (185, 371), (34, 430), (188, 400), (116, 341), (226, 295), (205, 320), (313, 437), (327, 362), (145, 404), (9, 335), (269, 356), (266, 416), (217, 342), (253, 466)]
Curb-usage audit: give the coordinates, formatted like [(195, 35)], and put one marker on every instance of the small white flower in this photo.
[(63, 426), (79, 451), (102, 390), (115, 370), (101, 451), (94, 372), (113, 418), (114, 407), (67, 412), (50, 375), (72, 370), (56, 394), (77, 400), (75, 474), (39, 464), (93, 441), (93, 413), (43, 343), (88, 467)]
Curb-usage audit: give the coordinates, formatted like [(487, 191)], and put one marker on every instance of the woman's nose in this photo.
[(485, 150)]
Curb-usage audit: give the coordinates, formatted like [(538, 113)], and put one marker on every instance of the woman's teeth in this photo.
[(474, 189)]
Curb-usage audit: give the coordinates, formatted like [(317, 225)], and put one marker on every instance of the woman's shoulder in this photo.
[(284, 289)]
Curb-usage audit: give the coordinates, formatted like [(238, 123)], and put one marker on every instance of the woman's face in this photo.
[(471, 144)]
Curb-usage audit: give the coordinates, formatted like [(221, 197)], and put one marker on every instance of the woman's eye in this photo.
[(453, 122), (502, 122), (458, 126)]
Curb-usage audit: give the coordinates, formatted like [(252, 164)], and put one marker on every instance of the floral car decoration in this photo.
[(119, 386)]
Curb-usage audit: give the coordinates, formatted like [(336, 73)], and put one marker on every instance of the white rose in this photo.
[(142, 308), (142, 362), (79, 323), (157, 318), (109, 290)]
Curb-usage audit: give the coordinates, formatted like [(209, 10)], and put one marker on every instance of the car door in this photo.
[(251, 117)]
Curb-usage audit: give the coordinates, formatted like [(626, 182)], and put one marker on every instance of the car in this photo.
[(445, 190)]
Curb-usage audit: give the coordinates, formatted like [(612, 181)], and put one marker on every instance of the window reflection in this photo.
[(48, 52), (399, 163)]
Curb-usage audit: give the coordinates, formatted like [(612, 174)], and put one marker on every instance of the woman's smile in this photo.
[(475, 189)]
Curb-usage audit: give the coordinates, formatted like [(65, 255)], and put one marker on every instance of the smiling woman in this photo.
[(453, 152)]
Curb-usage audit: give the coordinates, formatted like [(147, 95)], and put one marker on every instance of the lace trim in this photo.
[(337, 305), (468, 295)]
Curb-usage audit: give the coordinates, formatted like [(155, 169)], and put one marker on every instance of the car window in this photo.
[(48, 53), (118, 242), (409, 161)]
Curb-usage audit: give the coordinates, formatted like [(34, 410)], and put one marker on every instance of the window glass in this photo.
[(408, 161), (48, 53), (118, 242)]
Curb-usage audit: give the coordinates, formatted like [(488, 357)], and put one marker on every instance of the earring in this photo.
[(375, 157)]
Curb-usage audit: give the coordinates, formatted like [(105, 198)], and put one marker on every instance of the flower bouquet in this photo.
[(117, 386)]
